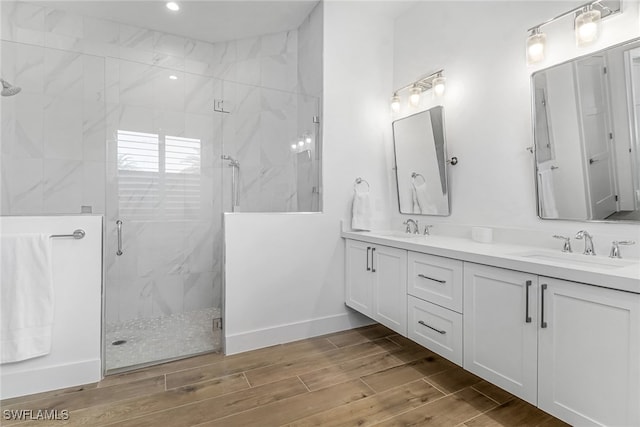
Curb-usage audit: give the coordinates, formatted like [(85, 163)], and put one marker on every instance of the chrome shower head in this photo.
[(8, 89), (232, 162)]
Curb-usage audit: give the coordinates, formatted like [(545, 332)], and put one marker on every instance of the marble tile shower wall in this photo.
[(85, 78)]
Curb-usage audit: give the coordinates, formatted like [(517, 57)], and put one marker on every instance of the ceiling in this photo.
[(209, 20)]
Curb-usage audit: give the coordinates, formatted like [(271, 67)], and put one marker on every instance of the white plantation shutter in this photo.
[(158, 176)]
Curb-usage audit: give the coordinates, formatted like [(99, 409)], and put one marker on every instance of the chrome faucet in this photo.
[(426, 230), (415, 227), (588, 242)]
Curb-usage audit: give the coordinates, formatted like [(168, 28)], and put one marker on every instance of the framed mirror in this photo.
[(586, 116), (421, 166)]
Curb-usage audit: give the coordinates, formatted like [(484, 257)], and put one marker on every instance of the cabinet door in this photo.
[(500, 331), (390, 287), (358, 292), (589, 357)]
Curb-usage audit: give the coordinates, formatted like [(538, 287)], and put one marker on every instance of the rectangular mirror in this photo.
[(586, 122), (421, 166)]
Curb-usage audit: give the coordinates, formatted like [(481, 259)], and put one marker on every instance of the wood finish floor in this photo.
[(363, 377)]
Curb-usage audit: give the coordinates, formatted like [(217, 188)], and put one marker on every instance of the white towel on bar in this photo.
[(425, 206), (26, 296), (361, 211), (548, 207)]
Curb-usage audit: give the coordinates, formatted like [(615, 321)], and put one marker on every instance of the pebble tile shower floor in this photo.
[(161, 338)]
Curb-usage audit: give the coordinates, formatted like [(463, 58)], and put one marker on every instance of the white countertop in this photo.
[(602, 271)]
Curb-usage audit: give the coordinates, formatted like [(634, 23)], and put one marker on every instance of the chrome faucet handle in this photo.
[(615, 249), (567, 242), (426, 230), (408, 227), (417, 230)]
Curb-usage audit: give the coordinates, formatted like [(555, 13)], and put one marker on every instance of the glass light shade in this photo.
[(294, 147), (587, 26), (395, 103), (438, 85), (535, 46), (307, 139), (414, 98), (173, 6)]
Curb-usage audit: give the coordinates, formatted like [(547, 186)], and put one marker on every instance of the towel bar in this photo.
[(359, 181), (77, 234)]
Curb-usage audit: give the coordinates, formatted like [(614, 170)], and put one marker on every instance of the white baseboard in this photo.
[(20, 383), (260, 338)]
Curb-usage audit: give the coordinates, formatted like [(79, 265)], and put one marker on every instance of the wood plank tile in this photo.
[(515, 412), (314, 362), (346, 371), (453, 380), (46, 394), (152, 371), (397, 375), (223, 406), (297, 407), (360, 335), (493, 391), (448, 411), (249, 360), (375, 408), (95, 396), (140, 406)]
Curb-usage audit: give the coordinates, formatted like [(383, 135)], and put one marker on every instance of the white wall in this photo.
[(285, 272), (77, 280), (480, 45)]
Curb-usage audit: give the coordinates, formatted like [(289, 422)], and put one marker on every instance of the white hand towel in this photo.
[(424, 201), (548, 207), (26, 296), (361, 211)]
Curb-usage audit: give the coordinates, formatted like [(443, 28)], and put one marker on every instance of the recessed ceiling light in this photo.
[(173, 77), (173, 6)]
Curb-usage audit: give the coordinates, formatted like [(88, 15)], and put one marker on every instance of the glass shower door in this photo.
[(162, 251)]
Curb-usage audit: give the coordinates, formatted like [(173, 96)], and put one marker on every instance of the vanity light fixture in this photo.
[(173, 77), (173, 6), (434, 81), (586, 26)]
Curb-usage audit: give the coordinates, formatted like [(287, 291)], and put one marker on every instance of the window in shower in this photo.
[(158, 176)]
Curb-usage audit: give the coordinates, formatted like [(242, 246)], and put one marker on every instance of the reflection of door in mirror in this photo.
[(586, 128), (420, 152), (594, 117)]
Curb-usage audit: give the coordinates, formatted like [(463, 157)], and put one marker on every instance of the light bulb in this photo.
[(307, 139), (294, 147), (300, 143), (395, 103), (587, 26), (173, 77), (535, 46), (438, 85), (414, 98), (173, 6)]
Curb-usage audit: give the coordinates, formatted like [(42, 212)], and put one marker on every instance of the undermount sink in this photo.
[(395, 233), (576, 259)]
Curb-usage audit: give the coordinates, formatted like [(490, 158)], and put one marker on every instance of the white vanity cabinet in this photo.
[(589, 354), (376, 283), (500, 328), (569, 348), (435, 304)]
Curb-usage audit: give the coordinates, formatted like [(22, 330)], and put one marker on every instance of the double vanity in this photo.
[(559, 330)]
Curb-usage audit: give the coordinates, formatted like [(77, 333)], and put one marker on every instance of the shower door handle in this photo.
[(119, 226)]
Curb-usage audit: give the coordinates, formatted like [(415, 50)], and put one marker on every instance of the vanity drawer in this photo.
[(436, 279), (436, 328)]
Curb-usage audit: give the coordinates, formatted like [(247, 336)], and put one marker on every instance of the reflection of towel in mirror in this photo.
[(361, 211), (547, 196), (422, 199)]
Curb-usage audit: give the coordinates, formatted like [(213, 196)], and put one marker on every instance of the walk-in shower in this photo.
[(8, 89), (235, 176)]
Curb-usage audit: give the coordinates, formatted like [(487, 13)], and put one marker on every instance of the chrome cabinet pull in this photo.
[(431, 327), (527, 318), (119, 225), (543, 324), (373, 269), (368, 249), (431, 278)]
